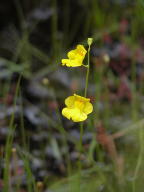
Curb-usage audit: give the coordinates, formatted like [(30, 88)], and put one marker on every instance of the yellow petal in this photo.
[(70, 113), (70, 101), (64, 61), (83, 99), (79, 116), (71, 54), (81, 50), (74, 114), (75, 57), (75, 63), (71, 63), (66, 113), (88, 108)]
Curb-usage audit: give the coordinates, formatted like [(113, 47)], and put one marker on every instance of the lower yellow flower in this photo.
[(77, 108), (75, 57)]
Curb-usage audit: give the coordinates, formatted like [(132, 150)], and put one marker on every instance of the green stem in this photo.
[(85, 94), (81, 124), (87, 74), (81, 134)]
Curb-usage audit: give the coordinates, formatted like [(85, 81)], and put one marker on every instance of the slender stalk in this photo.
[(85, 95), (79, 161), (87, 74), (81, 134), (86, 88)]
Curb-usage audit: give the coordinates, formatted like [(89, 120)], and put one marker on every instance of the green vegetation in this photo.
[(40, 150)]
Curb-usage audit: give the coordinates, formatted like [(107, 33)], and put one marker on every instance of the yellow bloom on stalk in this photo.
[(77, 108), (75, 57)]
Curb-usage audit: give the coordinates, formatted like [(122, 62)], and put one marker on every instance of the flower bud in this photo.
[(89, 41)]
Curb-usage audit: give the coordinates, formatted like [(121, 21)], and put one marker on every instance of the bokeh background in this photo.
[(38, 146)]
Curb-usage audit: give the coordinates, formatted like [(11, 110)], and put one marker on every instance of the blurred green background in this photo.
[(39, 148)]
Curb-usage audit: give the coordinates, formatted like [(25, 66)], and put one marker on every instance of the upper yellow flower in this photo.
[(77, 108), (75, 57)]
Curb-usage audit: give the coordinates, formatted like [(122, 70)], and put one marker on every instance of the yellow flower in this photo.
[(75, 57), (77, 108)]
